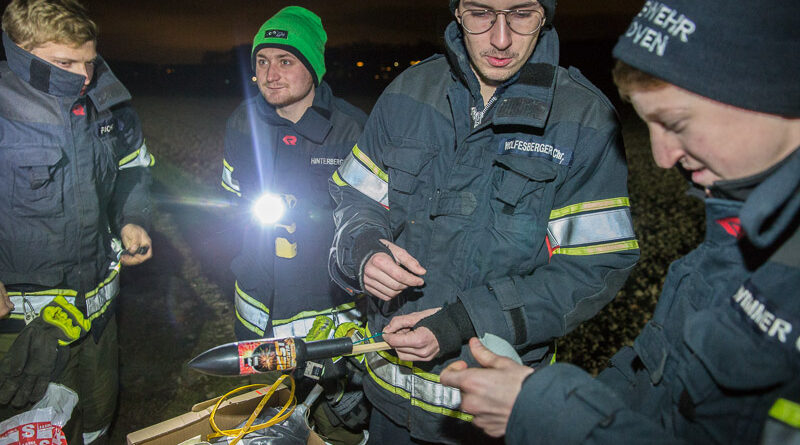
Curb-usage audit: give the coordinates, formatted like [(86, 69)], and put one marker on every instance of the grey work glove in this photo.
[(40, 353)]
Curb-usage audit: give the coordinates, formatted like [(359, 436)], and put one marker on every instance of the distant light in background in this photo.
[(414, 62), (396, 64), (360, 64)]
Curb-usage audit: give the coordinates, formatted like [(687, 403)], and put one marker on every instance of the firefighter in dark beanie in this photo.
[(716, 83)]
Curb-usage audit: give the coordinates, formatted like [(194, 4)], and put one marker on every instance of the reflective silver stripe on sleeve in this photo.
[(140, 158), (362, 179), (97, 300), (591, 228), (249, 313), (227, 178)]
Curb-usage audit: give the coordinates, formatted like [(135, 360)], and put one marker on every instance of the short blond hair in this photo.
[(32, 23), (629, 79)]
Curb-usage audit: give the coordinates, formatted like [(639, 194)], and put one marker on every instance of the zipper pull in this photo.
[(30, 312)]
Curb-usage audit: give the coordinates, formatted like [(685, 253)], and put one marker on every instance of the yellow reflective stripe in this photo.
[(97, 300), (252, 301), (300, 327), (228, 188), (429, 378), (584, 229), (589, 206), (415, 401), (47, 293), (357, 175), (307, 314), (139, 158), (338, 180), (598, 249), (253, 314), (786, 411), (249, 326), (369, 164), (129, 158), (228, 183)]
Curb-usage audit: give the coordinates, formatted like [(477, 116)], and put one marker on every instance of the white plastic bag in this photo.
[(43, 423)]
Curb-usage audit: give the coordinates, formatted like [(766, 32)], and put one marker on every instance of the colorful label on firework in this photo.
[(267, 355)]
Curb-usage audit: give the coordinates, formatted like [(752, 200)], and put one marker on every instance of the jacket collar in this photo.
[(772, 208), (105, 89), (527, 96), (316, 121)]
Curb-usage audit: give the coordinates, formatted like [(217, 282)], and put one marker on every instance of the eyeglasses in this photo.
[(521, 21)]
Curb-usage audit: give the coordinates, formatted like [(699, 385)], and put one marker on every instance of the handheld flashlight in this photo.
[(269, 208)]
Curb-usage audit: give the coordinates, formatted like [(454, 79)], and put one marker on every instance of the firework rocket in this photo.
[(274, 354)]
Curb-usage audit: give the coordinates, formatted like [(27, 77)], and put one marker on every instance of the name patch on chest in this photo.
[(105, 128), (764, 318), (558, 155), (326, 161)]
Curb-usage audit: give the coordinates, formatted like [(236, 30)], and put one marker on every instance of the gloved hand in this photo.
[(40, 353)]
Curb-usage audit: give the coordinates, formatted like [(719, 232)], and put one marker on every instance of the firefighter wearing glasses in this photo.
[(487, 195)]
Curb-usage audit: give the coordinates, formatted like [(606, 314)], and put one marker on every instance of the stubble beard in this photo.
[(284, 100)]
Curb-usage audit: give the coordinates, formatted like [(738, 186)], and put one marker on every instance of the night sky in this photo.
[(180, 31)]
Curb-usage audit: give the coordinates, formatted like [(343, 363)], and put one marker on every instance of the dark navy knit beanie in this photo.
[(742, 53), (548, 5)]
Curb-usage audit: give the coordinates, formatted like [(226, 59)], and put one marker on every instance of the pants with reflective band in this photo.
[(96, 300), (92, 372), (301, 327)]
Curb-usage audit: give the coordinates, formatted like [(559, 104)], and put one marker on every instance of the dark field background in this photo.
[(180, 303)]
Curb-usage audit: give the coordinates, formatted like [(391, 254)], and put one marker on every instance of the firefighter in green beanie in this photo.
[(281, 146)]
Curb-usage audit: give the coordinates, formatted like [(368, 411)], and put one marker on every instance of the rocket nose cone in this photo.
[(199, 364), (219, 361)]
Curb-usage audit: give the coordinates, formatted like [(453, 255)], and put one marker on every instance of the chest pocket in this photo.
[(520, 193), (729, 361), (37, 175), (409, 180)]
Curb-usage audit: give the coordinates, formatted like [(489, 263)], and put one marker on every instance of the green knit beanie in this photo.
[(298, 31)]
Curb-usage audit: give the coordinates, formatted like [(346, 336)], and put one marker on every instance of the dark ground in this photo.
[(180, 303)]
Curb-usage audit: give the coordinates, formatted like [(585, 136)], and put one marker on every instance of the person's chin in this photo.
[(498, 75), (703, 177)]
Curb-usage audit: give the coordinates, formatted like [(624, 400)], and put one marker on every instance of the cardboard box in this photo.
[(195, 423)]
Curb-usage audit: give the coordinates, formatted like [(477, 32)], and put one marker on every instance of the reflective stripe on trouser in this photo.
[(254, 316), (88, 438), (97, 301), (420, 388), (300, 324)]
